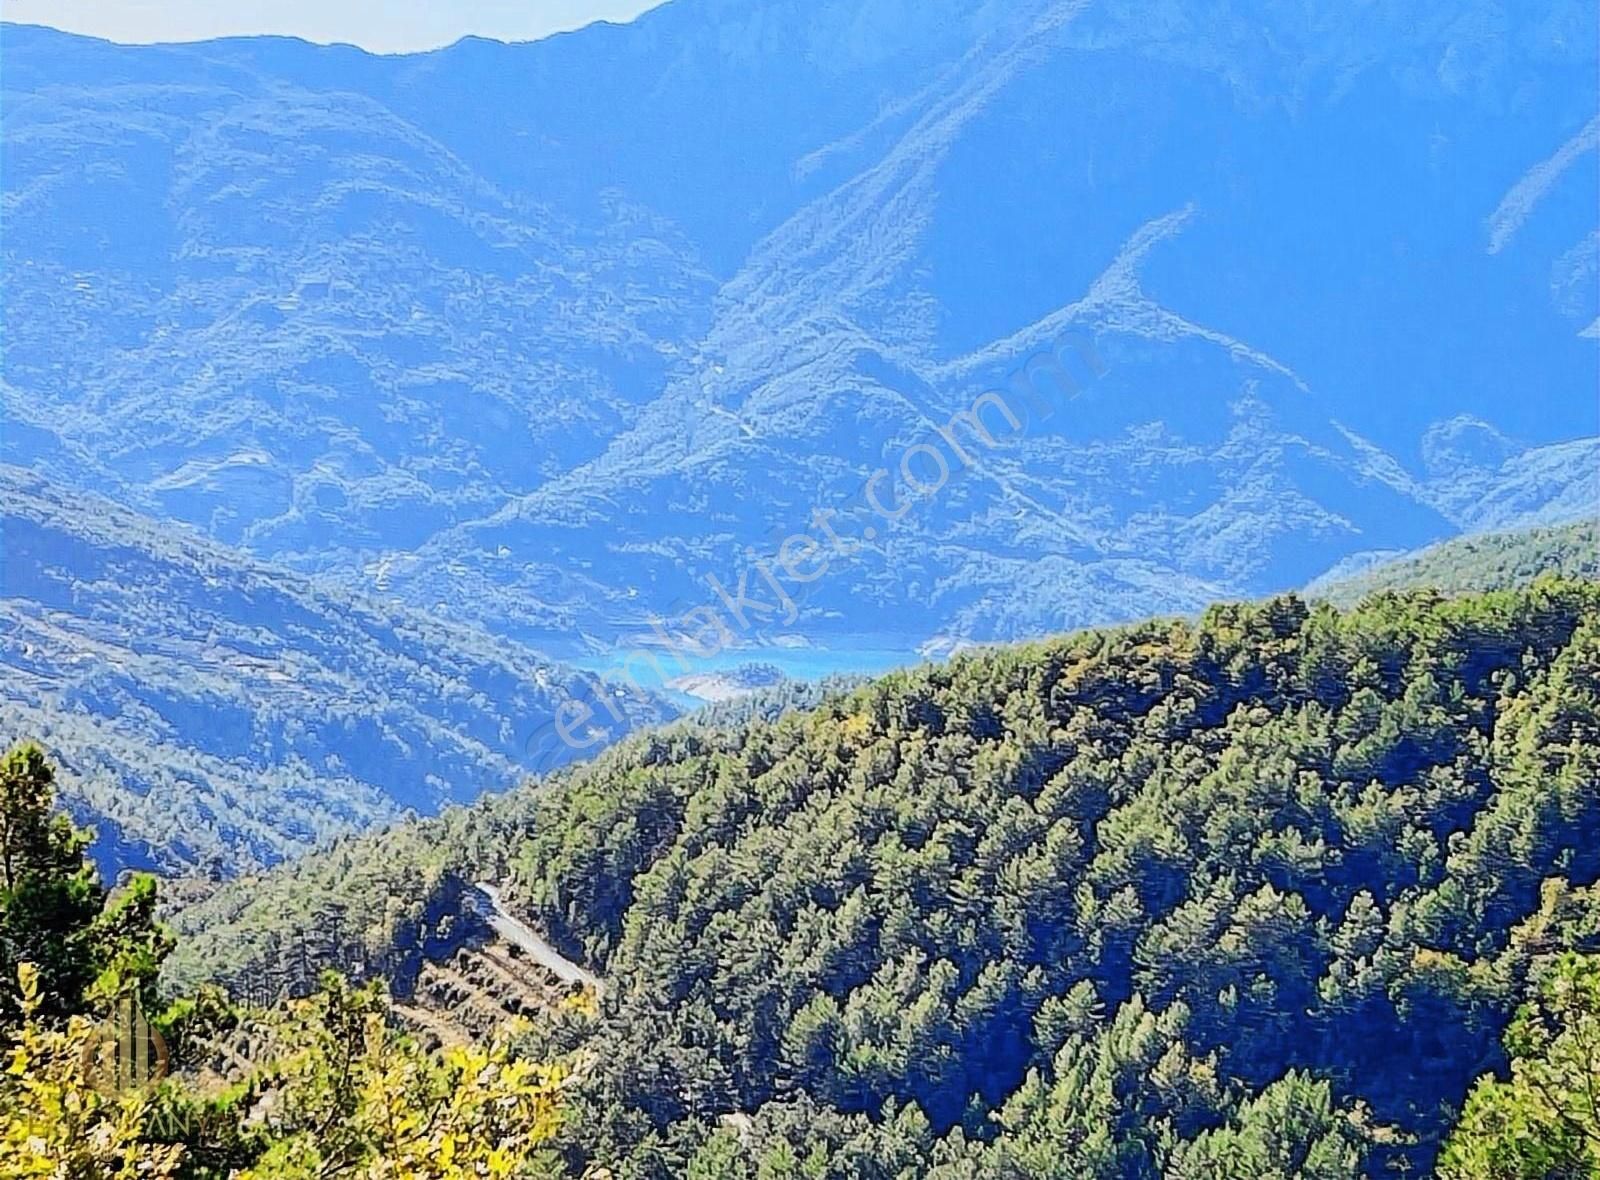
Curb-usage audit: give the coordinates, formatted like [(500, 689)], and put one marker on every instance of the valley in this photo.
[(551, 395), (805, 590)]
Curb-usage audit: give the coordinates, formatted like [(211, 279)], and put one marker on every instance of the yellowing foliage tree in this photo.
[(350, 1096), (55, 1125), (341, 1094), (330, 1088)]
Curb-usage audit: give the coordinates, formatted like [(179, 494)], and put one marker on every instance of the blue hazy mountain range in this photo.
[(540, 337)]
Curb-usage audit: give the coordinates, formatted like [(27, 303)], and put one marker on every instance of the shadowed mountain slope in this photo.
[(208, 710)]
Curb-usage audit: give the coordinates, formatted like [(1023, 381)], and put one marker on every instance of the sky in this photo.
[(382, 26)]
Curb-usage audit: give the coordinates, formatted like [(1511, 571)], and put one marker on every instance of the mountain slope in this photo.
[(552, 334), (208, 708), (1058, 910), (300, 323), (1486, 561)]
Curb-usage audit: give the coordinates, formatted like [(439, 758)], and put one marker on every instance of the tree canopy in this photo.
[(1253, 895), (325, 1086)]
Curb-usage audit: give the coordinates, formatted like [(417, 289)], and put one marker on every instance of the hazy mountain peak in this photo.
[(1463, 444)]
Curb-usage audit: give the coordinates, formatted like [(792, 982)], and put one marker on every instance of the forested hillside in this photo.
[(1126, 903), (1482, 561), (216, 712)]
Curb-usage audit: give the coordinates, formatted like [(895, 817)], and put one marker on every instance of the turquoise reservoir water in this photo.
[(798, 663)]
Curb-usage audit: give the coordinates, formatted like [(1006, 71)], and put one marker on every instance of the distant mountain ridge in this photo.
[(543, 337), (1472, 564)]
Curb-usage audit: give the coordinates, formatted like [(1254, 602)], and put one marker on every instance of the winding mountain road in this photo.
[(519, 934)]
